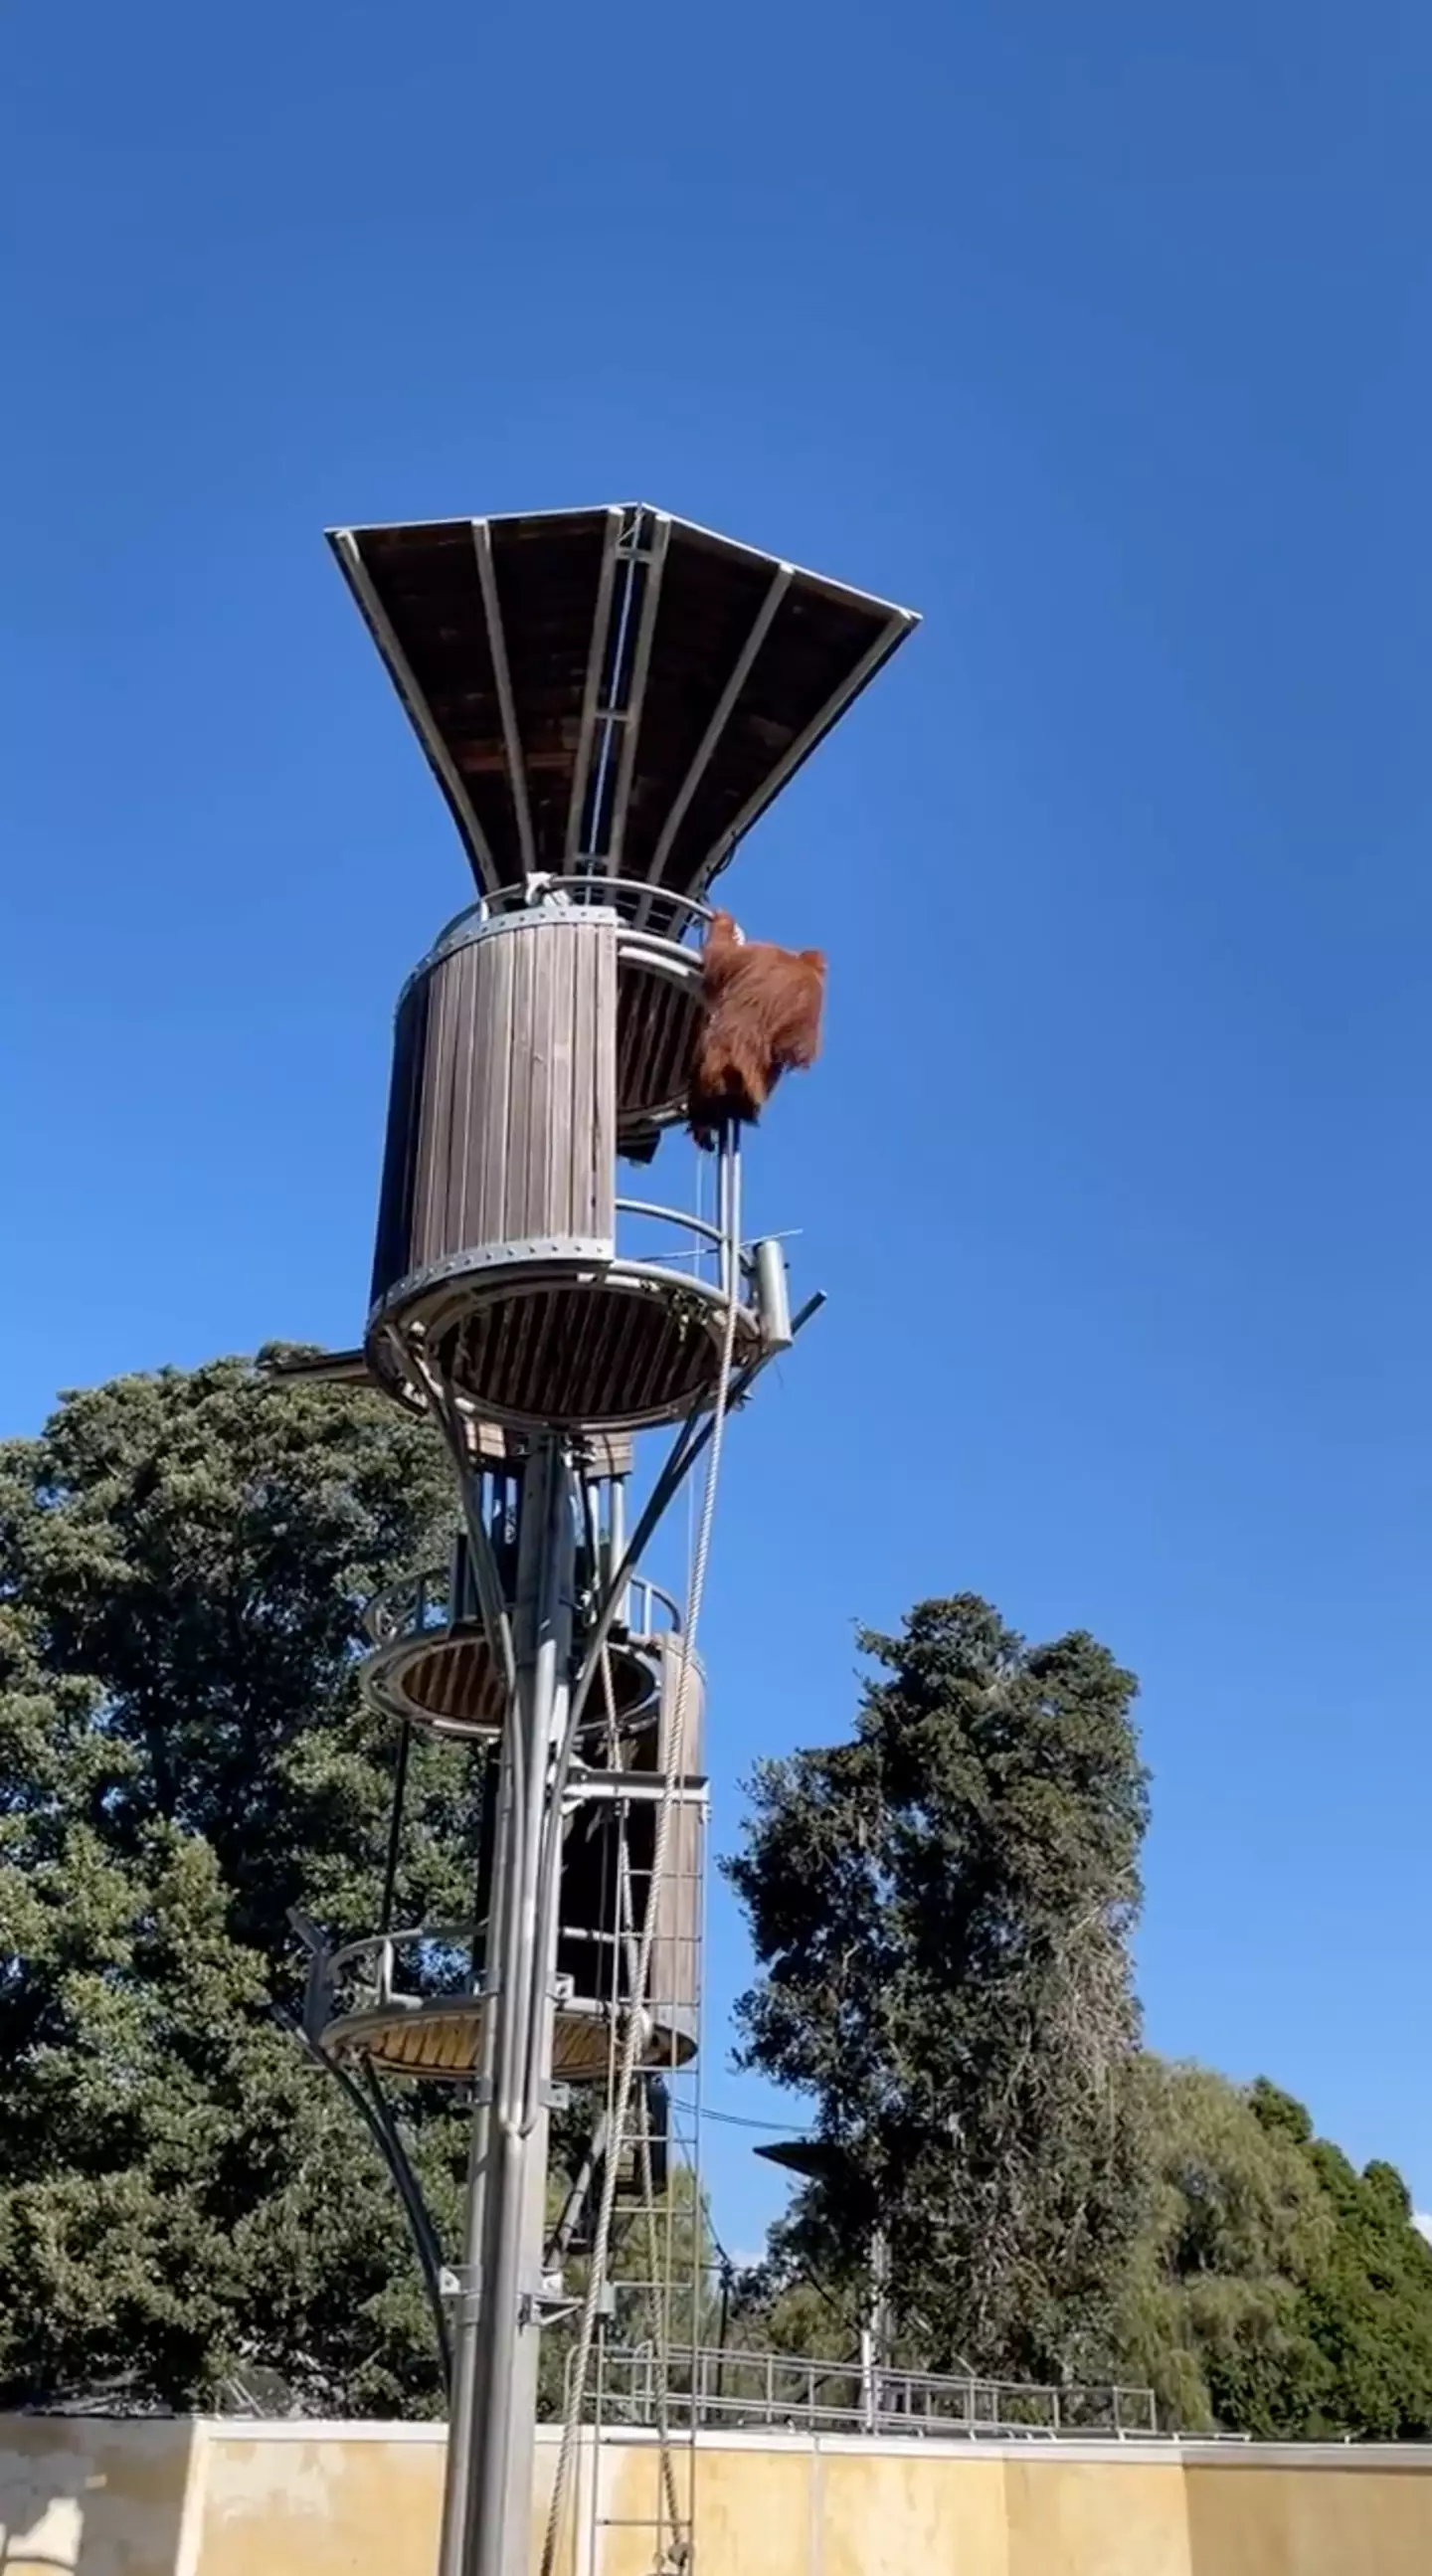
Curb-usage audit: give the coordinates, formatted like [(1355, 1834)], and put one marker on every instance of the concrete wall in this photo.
[(109, 2498), (90, 2498)]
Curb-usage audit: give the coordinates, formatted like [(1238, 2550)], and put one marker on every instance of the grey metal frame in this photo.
[(791, 2390), (725, 705), (439, 758), (601, 627), (511, 734)]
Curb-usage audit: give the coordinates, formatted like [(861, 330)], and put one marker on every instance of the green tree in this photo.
[(940, 1909), (1367, 2300), (1213, 2316), (1275, 2291), (183, 1755)]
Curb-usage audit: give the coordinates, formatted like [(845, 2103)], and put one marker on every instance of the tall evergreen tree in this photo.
[(940, 1908)]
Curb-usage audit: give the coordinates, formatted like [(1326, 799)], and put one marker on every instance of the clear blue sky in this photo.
[(1102, 338)]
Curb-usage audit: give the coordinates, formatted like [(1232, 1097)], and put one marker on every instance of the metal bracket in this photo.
[(693, 1789), (461, 2285)]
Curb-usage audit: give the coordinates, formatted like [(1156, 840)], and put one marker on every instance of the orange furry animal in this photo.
[(763, 1007)]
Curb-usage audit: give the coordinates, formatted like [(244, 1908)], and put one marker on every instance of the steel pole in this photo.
[(498, 2452), (467, 2322)]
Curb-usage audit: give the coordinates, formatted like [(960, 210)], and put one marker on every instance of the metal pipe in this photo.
[(720, 716), (372, 2108), (491, 1600), (469, 2314), (773, 1304), (559, 2244), (507, 704), (395, 1830), (670, 1216), (616, 1541)]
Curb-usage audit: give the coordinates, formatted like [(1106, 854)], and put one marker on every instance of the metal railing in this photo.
[(633, 899), (416, 1605), (402, 1969), (421, 1605), (786, 2392)]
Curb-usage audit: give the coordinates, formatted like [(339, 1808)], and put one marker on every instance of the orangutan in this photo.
[(763, 1007)]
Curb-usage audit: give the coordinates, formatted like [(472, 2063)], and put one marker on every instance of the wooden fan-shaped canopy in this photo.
[(614, 691)]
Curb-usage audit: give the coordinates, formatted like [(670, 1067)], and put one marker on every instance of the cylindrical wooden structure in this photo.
[(593, 1948), (497, 1217)]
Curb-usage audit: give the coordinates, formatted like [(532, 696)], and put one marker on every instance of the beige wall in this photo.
[(90, 2498)]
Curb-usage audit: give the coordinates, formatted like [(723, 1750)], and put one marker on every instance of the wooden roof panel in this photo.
[(609, 690)]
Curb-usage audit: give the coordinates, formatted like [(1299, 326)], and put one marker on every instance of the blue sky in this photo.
[(1100, 337)]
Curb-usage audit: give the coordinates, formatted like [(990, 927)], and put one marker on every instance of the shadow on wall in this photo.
[(92, 2496)]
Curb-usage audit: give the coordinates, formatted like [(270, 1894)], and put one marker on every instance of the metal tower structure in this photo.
[(608, 700)]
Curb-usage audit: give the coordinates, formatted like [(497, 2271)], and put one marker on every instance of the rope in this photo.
[(636, 2019), (660, 2275)]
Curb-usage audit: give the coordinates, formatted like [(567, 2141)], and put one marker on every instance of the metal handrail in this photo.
[(401, 1608), (789, 2389), (596, 890), (673, 1216), (648, 1593), (378, 1948), (722, 1238)]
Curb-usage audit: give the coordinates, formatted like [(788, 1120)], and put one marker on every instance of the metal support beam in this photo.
[(488, 2503)]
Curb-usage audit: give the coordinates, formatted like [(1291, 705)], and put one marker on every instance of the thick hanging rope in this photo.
[(636, 2016)]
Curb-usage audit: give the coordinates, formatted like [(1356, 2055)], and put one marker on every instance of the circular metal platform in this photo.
[(439, 2039), (447, 1683), (548, 1336)]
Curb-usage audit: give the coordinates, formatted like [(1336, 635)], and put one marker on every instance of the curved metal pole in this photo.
[(490, 1598), (378, 2121)]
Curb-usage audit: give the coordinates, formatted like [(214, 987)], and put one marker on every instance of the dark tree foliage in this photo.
[(183, 1755), (940, 1909), (1366, 2308)]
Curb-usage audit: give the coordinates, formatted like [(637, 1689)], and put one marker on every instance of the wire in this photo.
[(739, 2120)]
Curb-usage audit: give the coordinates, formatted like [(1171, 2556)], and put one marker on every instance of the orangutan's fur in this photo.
[(763, 1007)]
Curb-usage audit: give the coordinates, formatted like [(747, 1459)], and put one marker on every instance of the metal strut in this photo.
[(489, 2488)]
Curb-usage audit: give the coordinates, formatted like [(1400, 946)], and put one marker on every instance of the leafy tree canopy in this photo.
[(940, 1905), (183, 1754)]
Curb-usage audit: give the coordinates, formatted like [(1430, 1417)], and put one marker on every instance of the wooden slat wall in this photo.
[(675, 1955), (502, 1126)]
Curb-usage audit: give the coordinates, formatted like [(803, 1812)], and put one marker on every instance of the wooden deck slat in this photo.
[(443, 2039)]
